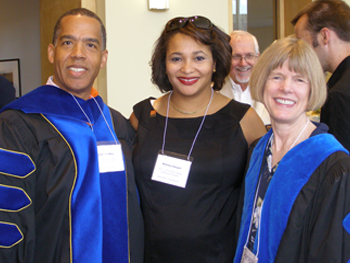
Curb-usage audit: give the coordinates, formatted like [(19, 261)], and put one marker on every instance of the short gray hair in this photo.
[(237, 33)]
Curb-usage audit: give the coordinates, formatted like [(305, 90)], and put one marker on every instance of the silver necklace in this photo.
[(307, 122), (199, 129), (188, 112), (302, 131)]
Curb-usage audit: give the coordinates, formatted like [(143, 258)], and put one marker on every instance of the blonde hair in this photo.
[(301, 59)]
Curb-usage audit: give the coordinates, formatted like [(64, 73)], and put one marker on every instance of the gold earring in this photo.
[(214, 70)]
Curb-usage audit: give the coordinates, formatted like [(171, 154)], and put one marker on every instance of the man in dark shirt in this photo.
[(325, 25)]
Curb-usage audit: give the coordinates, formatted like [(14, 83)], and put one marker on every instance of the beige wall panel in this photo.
[(50, 11), (291, 8)]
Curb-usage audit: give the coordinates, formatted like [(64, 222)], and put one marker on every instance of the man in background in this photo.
[(67, 186), (245, 54), (7, 92), (325, 25)]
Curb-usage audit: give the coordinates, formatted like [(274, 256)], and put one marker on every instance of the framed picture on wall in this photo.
[(10, 69)]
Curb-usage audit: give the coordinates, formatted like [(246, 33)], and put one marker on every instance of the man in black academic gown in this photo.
[(67, 188)]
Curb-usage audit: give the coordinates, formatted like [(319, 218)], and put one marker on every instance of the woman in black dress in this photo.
[(191, 147)]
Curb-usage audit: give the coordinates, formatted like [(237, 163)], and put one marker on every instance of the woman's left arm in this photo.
[(252, 126)]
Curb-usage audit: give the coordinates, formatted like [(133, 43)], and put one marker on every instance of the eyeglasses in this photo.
[(179, 22), (247, 58)]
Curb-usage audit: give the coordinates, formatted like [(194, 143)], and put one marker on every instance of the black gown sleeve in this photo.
[(126, 134), (329, 241), (14, 137), (44, 223), (315, 231), (335, 113)]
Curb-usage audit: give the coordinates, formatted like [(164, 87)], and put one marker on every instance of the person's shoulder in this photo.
[(143, 107), (339, 80), (143, 103), (238, 108), (4, 82), (122, 126), (116, 115), (252, 126), (341, 159), (336, 166), (28, 128), (20, 119), (13, 115)]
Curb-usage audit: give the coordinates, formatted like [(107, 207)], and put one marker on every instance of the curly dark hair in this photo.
[(216, 39)]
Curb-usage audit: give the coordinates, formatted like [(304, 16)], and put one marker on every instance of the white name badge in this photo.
[(248, 256), (171, 170), (110, 157)]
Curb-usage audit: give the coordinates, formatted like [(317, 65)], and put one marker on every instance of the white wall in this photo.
[(20, 38), (131, 32)]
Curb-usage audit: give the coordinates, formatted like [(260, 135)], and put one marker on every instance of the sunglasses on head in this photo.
[(179, 22)]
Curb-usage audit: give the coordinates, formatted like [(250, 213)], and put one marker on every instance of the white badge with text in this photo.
[(171, 170), (110, 157), (248, 256)]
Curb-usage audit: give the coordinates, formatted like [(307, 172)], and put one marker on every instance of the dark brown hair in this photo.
[(333, 14), (216, 39)]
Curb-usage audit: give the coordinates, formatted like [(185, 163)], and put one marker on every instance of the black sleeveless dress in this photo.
[(196, 223)]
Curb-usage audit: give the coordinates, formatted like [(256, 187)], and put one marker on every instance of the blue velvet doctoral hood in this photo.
[(98, 202), (292, 173)]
